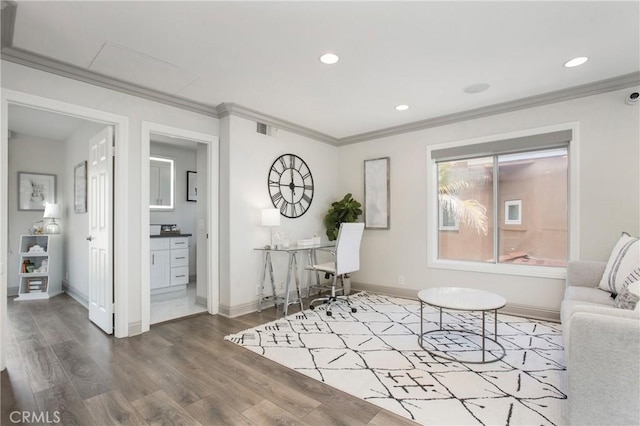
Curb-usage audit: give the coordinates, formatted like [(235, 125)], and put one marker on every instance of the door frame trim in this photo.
[(213, 286), (120, 258)]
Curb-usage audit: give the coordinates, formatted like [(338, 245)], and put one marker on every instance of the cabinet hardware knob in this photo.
[(89, 238)]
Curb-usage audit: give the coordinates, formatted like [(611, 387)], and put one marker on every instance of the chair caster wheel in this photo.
[(329, 313), (354, 310), (312, 307)]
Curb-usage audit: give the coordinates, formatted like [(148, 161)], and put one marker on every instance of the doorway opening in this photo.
[(181, 278), (49, 214), (35, 157)]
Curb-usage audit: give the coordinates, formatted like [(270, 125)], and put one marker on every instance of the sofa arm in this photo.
[(585, 273), (603, 370)]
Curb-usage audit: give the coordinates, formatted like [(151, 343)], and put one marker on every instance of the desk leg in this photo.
[(287, 283), (267, 266), (273, 283), (297, 278), (312, 257), (261, 287)]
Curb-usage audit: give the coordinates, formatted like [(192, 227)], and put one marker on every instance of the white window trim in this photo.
[(442, 226), (508, 204), (502, 268)]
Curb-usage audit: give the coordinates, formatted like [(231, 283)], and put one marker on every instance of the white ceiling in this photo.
[(264, 55)]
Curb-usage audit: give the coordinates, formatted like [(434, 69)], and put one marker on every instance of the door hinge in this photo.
[(113, 151)]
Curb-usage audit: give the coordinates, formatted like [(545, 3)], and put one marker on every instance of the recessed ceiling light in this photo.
[(476, 88), (329, 58), (402, 107), (576, 62)]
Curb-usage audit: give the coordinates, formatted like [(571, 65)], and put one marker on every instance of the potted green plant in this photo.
[(345, 210)]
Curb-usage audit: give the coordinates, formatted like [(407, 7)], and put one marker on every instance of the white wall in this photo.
[(185, 213), (34, 155), (32, 81), (609, 150), (76, 225), (244, 193)]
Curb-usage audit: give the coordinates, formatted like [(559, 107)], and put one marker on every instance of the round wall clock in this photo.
[(290, 185)]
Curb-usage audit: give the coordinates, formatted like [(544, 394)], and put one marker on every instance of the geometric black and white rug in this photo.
[(374, 355)]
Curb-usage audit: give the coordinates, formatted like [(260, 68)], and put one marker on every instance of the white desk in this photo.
[(292, 270)]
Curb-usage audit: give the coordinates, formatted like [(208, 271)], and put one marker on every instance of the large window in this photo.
[(505, 202)]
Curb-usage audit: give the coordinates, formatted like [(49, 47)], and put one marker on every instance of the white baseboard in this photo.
[(12, 291), (509, 309), (77, 296), (135, 328), (247, 308), (202, 301)]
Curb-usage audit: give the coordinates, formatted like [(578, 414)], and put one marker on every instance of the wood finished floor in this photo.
[(180, 373)]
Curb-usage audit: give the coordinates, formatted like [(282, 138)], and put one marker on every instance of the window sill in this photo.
[(502, 269)]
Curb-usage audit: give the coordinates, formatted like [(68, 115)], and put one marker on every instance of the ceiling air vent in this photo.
[(261, 128)]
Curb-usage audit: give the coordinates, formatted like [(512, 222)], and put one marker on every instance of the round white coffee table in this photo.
[(462, 299)]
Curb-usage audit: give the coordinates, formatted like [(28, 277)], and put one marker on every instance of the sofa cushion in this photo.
[(586, 294), (623, 266)]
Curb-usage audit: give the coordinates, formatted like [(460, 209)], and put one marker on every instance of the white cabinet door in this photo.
[(160, 268)]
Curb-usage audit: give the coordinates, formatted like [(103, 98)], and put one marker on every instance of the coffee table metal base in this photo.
[(422, 335)]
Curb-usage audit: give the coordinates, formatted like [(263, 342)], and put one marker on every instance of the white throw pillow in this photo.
[(623, 266)]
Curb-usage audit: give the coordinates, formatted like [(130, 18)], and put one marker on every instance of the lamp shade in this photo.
[(270, 217), (52, 211)]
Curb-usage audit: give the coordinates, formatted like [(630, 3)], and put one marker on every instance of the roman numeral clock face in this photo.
[(290, 185)]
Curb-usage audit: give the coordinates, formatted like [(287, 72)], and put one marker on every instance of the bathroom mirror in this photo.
[(161, 194)]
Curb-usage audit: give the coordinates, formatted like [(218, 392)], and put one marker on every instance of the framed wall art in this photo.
[(35, 190), (80, 187), (376, 194), (192, 186)]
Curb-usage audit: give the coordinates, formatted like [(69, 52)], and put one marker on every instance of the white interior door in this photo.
[(100, 175)]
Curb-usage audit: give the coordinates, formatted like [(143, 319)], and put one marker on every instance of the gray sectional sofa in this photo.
[(602, 351)]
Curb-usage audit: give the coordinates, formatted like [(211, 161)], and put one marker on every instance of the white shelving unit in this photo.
[(40, 268)]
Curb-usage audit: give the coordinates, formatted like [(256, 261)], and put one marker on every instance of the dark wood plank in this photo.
[(56, 402), (178, 387), (16, 395), (328, 415), (83, 372), (112, 408), (44, 369), (221, 386), (159, 409), (213, 411), (267, 413), (53, 329)]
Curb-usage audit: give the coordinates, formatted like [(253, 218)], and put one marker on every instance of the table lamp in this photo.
[(52, 211), (270, 218)]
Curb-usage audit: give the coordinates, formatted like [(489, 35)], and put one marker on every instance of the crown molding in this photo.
[(8, 21), (590, 89), (230, 108), (64, 69)]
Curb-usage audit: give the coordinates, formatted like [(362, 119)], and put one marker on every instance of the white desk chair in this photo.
[(347, 254)]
